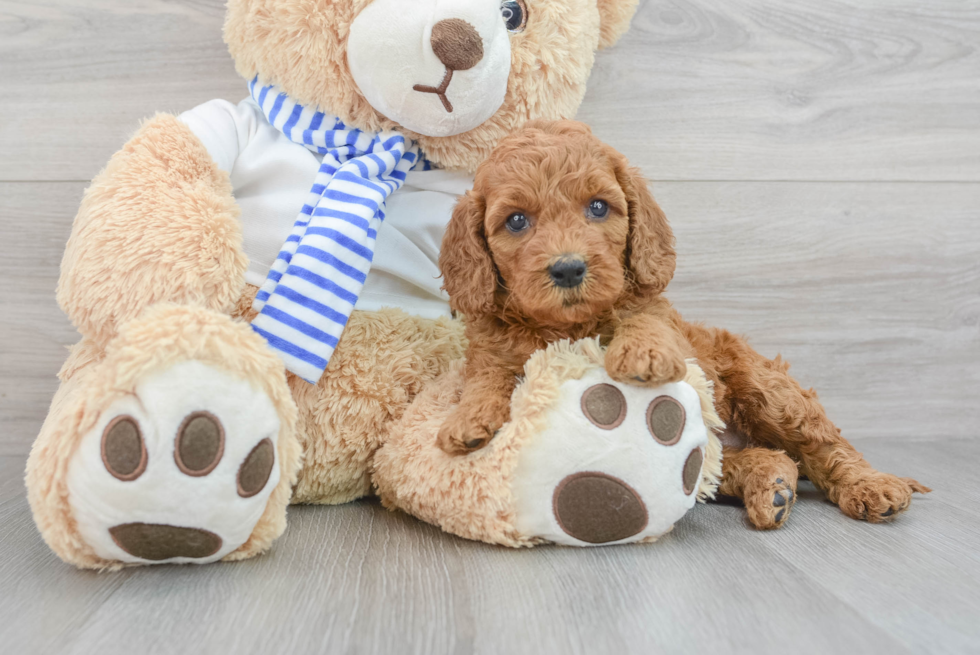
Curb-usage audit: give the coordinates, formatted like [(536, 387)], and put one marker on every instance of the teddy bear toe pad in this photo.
[(615, 464), (179, 471)]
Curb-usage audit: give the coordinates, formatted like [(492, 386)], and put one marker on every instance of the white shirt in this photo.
[(272, 176)]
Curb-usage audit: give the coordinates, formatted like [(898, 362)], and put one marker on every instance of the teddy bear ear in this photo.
[(614, 20)]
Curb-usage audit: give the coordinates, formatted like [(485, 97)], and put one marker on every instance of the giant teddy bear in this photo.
[(215, 263), (262, 322)]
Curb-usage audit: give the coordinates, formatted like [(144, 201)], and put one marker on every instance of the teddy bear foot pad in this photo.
[(583, 461), (179, 471), (613, 464)]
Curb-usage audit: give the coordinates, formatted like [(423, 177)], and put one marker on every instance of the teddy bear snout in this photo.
[(453, 62), (457, 44)]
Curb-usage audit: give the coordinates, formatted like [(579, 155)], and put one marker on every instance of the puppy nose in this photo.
[(457, 44), (568, 272)]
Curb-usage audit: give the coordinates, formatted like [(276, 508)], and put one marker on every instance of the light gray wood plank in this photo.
[(80, 76), (358, 578), (871, 291), (11, 477), (42, 602), (917, 579), (795, 90), (703, 89), (35, 220)]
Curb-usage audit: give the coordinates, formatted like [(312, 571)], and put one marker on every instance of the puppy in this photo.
[(560, 238)]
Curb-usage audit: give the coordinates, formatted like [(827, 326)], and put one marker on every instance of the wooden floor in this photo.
[(820, 163)]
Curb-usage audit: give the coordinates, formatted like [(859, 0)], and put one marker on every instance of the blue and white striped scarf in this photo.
[(314, 284)]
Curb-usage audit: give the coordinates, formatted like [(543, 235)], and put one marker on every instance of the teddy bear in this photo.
[(583, 461), (256, 287)]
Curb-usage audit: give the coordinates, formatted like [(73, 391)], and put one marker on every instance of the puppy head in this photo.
[(558, 228)]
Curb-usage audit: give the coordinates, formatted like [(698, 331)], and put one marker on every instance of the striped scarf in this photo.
[(314, 284)]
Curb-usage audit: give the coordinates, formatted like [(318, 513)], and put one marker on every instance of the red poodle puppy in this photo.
[(560, 238)]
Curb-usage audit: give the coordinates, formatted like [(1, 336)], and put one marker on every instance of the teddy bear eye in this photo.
[(517, 222), (597, 209), (515, 15)]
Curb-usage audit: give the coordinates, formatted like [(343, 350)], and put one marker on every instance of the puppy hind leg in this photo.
[(775, 410), (765, 480)]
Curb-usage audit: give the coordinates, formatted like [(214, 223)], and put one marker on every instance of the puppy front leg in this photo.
[(646, 350), (483, 408)]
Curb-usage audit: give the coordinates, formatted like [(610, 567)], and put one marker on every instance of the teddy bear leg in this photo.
[(765, 480), (174, 444), (383, 361), (159, 224)]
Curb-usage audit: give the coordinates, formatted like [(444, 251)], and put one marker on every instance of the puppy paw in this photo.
[(461, 434), (877, 497), (769, 499), (632, 362)]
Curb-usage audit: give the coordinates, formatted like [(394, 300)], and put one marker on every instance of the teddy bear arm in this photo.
[(160, 223)]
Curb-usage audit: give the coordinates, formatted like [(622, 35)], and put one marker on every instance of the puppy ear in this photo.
[(468, 273), (614, 20), (650, 255)]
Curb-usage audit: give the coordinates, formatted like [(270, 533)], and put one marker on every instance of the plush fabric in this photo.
[(550, 64), (271, 175), (166, 492), (474, 496), (315, 282), (188, 248), (153, 277), (94, 379), (458, 65)]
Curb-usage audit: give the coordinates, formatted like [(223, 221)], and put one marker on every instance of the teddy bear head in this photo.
[(455, 75)]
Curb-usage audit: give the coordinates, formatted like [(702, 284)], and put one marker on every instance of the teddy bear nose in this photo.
[(457, 44), (568, 272)]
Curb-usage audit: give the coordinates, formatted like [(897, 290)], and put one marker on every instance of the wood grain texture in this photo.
[(705, 89), (805, 90), (79, 76), (356, 578), (871, 291), (35, 219)]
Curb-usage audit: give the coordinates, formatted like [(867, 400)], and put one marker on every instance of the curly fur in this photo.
[(500, 281), (550, 172), (473, 496)]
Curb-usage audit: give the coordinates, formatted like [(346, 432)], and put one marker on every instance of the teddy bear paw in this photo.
[(179, 471), (616, 463)]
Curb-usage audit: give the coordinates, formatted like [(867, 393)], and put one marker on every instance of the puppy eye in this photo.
[(597, 209), (517, 223), (515, 15)]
